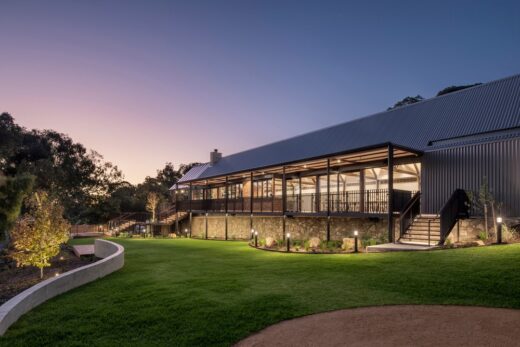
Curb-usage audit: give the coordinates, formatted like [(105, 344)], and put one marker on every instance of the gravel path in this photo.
[(406, 325)]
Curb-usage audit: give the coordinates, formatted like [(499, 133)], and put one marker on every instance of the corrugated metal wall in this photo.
[(465, 167)]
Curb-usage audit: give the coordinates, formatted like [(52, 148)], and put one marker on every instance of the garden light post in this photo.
[(288, 242), (186, 231), (252, 233), (256, 239), (499, 230), (355, 241)]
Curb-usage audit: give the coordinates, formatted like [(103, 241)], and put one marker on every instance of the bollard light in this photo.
[(499, 230), (252, 233), (256, 238), (355, 241), (288, 241)]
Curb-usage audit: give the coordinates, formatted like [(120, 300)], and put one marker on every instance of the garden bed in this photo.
[(14, 280), (307, 246)]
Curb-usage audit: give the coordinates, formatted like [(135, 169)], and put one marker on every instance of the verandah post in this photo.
[(189, 199), (390, 192), (284, 201), (251, 190), (226, 193), (362, 191), (328, 200)]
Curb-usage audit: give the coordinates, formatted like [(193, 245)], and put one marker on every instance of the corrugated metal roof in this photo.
[(484, 108), (194, 173)]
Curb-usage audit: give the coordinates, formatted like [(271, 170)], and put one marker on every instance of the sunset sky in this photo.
[(146, 82)]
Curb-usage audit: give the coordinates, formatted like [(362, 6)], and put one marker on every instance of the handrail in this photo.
[(410, 211), (453, 209), (357, 201)]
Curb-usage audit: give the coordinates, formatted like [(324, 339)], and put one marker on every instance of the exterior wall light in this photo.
[(288, 241), (499, 230), (355, 241)]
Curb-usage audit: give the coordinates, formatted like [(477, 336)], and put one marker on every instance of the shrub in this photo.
[(482, 235)]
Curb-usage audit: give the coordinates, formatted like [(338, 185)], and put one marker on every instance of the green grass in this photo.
[(193, 292)]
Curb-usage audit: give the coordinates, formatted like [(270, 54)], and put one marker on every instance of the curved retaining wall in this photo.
[(113, 259)]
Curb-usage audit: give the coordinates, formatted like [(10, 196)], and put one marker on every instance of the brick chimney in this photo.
[(214, 157)]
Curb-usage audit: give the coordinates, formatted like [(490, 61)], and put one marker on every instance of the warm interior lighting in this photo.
[(355, 233), (499, 219), (305, 166), (338, 161)]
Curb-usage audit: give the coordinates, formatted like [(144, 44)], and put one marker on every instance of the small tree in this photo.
[(484, 201), (40, 232), (152, 201)]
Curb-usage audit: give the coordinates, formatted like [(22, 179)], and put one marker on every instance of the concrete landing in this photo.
[(80, 250), (399, 247)]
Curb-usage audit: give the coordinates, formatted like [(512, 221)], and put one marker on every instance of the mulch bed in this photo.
[(14, 280)]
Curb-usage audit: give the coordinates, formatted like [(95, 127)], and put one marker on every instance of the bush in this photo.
[(482, 235)]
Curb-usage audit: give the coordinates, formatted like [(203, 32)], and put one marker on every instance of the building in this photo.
[(406, 174)]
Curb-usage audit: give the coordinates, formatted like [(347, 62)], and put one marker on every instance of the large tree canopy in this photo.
[(12, 192), (65, 169), (452, 89), (406, 101), (413, 99)]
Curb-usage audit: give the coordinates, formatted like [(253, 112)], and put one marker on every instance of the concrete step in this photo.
[(412, 234), (425, 223), (399, 247), (424, 228), (420, 239)]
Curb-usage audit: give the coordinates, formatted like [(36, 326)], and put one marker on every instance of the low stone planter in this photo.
[(113, 259)]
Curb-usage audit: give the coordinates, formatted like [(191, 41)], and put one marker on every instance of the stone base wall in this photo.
[(468, 230), (301, 228)]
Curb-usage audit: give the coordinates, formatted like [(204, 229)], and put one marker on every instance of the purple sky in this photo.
[(146, 82)]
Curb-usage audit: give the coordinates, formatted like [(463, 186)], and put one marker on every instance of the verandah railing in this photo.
[(368, 201)]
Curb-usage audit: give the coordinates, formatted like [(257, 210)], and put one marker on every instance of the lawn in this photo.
[(194, 292)]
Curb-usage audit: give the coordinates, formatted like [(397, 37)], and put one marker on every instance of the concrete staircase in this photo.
[(425, 229)]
